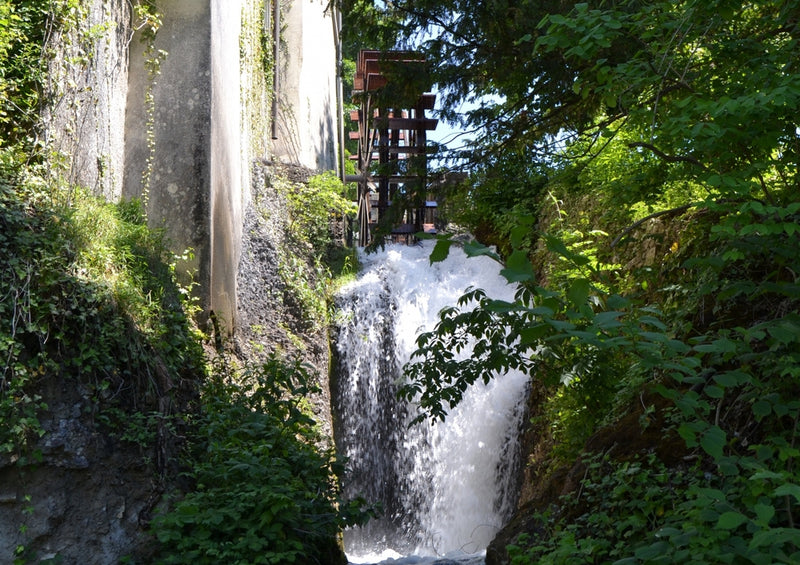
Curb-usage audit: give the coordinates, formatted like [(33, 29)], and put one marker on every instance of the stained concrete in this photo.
[(189, 155), (307, 115), (87, 95)]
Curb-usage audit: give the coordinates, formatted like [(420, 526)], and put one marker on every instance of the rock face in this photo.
[(88, 499), (269, 321), (88, 83)]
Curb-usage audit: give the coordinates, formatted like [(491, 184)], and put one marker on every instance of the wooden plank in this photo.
[(355, 115), (363, 56), (427, 101), (353, 135), (404, 229), (375, 157), (374, 82), (407, 150), (399, 179), (412, 123)]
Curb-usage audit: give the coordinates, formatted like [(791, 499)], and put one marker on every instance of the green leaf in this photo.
[(712, 493), (476, 249), (775, 536), (533, 334), (521, 230), (731, 378), (501, 306), (764, 513), (731, 520), (652, 551), (762, 408), (784, 332), (518, 268), (440, 251), (617, 302), (653, 321), (688, 435), (788, 489), (713, 441), (722, 345), (579, 291), (608, 320)]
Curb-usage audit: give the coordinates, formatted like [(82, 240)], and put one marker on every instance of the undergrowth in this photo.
[(264, 492), (88, 295), (313, 258), (90, 298)]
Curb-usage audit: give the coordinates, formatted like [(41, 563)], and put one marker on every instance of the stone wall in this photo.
[(88, 85)]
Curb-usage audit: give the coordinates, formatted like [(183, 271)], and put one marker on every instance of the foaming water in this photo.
[(446, 489)]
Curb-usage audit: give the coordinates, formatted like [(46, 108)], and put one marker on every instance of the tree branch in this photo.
[(668, 158), (638, 223)]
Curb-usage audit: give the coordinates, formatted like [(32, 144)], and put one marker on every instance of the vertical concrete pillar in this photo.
[(227, 194), (183, 153)]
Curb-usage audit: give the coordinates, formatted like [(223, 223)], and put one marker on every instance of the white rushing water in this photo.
[(446, 489)]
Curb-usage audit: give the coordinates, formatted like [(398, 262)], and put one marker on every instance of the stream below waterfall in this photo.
[(445, 489)]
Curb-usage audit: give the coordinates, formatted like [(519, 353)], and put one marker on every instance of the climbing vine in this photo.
[(148, 22)]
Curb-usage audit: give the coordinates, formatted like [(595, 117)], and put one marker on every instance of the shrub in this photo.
[(264, 492)]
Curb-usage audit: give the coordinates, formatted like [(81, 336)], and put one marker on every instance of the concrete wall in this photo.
[(307, 87), (168, 145), (229, 195), (87, 87), (187, 153), (190, 172)]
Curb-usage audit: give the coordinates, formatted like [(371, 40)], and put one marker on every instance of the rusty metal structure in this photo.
[(392, 159)]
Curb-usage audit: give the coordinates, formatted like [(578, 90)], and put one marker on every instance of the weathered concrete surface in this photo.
[(188, 152), (306, 117), (228, 195), (87, 87), (168, 160)]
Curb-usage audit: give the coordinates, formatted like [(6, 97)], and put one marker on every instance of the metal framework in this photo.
[(392, 144)]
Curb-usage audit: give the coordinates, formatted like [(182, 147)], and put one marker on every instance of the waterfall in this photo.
[(445, 488)]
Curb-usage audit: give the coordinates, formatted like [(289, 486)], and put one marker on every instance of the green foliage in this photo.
[(314, 205), (22, 70), (315, 208), (91, 269), (306, 287), (672, 126), (367, 26), (643, 512), (264, 493)]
